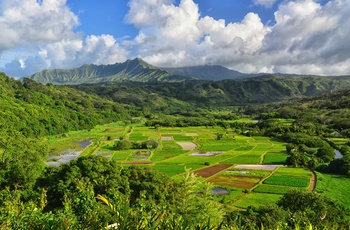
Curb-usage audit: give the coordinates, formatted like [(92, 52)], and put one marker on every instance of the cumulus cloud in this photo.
[(265, 3), (39, 35), (307, 37), (176, 35), (69, 53), (24, 22), (310, 37)]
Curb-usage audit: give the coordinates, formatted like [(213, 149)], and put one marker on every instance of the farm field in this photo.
[(216, 155), (335, 187)]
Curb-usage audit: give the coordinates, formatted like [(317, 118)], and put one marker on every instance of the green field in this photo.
[(171, 159), (287, 181), (335, 187), (273, 189)]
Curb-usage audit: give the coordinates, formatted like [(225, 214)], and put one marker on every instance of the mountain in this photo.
[(209, 72), (132, 70)]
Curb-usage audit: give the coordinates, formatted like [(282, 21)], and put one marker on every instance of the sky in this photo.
[(250, 36)]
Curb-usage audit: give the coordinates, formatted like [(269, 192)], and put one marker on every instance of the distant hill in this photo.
[(209, 72), (132, 70), (258, 90)]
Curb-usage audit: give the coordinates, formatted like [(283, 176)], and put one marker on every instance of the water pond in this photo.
[(67, 155), (219, 191), (338, 154)]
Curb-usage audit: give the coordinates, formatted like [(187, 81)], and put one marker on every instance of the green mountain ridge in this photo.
[(132, 70), (264, 89), (210, 72)]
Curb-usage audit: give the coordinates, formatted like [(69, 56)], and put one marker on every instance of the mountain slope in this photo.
[(132, 70), (39, 110), (268, 88), (209, 72)]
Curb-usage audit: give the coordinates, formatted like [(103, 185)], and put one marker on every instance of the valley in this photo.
[(232, 149)]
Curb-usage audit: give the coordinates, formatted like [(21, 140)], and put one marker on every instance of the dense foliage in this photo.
[(93, 192), (37, 110)]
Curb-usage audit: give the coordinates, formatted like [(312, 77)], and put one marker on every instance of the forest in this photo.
[(305, 120)]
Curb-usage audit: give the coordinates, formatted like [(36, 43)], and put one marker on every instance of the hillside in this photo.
[(264, 89), (37, 110), (208, 72), (132, 70)]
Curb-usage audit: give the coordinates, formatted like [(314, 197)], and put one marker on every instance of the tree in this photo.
[(310, 208), (123, 145), (21, 159), (326, 154), (103, 175)]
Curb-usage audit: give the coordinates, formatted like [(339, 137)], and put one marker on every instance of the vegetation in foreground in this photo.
[(93, 193)]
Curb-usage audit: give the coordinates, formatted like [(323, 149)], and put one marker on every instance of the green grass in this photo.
[(230, 197), (215, 145), (122, 155), (256, 199), (172, 170), (177, 137), (296, 172), (275, 158), (169, 149), (335, 187), (288, 181), (273, 189), (244, 148)]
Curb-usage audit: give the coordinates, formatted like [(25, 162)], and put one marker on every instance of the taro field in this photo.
[(249, 168)]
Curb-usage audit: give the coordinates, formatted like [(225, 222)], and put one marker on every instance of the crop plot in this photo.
[(178, 137), (187, 145), (296, 172), (275, 158), (239, 178), (210, 171), (172, 170), (243, 182), (140, 155), (122, 155), (169, 149), (287, 181), (257, 167), (274, 189)]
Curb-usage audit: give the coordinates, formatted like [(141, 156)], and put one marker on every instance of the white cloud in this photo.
[(307, 37), (265, 3), (310, 38), (24, 22), (70, 53), (176, 35), (39, 35)]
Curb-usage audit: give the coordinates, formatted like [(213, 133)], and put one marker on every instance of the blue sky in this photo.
[(107, 16), (298, 36)]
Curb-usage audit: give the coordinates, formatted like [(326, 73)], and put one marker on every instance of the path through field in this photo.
[(313, 181)]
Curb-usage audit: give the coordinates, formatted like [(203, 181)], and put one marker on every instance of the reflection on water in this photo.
[(219, 191), (67, 155), (338, 154), (83, 144)]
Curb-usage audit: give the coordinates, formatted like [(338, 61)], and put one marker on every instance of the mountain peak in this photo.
[(136, 70), (141, 62)]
